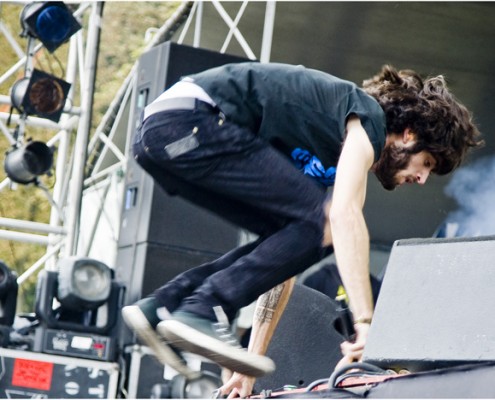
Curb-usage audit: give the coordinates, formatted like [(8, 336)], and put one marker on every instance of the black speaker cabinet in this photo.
[(157, 263), (435, 306), (162, 235), (305, 345)]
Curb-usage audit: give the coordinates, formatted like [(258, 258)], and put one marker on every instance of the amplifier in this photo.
[(25, 374)]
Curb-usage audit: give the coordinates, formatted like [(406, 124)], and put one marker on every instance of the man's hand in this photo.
[(269, 309), (238, 386), (353, 352)]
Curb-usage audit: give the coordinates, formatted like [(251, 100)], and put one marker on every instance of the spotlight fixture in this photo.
[(8, 295), (85, 290), (24, 164), (84, 284), (8, 302), (51, 23), (41, 94), (77, 307)]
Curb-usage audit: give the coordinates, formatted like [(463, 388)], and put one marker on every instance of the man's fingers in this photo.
[(233, 394), (343, 362), (232, 391), (226, 390), (348, 347), (352, 352)]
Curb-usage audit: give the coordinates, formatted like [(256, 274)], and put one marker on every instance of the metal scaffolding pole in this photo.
[(82, 139), (266, 45)]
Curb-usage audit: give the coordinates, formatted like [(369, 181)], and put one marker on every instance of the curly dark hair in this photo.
[(444, 127)]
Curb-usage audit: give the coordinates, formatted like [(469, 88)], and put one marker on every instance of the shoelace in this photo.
[(222, 328)]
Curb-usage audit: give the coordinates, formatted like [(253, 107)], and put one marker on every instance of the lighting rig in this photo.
[(52, 23), (68, 347), (78, 303), (37, 92)]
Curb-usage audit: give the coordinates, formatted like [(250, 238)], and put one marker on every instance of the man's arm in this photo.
[(349, 231), (269, 309)]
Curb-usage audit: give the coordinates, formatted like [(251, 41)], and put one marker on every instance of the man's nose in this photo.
[(422, 177)]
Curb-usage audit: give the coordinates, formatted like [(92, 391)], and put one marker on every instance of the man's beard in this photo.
[(392, 160)]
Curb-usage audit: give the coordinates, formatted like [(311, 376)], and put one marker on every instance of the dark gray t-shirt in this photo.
[(293, 106)]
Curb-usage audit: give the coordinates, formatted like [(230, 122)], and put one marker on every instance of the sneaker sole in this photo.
[(136, 320), (233, 358)]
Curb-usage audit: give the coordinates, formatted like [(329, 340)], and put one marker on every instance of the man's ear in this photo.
[(408, 136)]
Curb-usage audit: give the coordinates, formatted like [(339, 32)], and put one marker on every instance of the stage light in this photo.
[(77, 307), (51, 23), (8, 295), (41, 94), (24, 164), (83, 283), (8, 302), (81, 296)]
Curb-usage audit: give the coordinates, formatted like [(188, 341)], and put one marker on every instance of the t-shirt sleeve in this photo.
[(371, 116)]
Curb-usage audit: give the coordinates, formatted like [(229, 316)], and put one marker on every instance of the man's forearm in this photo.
[(352, 253), (269, 309)]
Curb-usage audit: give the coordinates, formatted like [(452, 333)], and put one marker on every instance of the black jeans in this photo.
[(230, 171)]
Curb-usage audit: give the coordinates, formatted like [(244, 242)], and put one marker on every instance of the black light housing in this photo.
[(25, 163), (41, 94), (77, 308), (82, 287), (8, 295), (83, 283), (52, 23)]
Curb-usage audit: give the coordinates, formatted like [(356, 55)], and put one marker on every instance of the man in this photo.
[(258, 144)]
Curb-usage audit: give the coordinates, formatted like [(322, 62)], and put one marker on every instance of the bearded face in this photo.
[(393, 160)]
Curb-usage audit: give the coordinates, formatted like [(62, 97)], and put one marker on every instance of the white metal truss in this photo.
[(89, 174), (78, 71)]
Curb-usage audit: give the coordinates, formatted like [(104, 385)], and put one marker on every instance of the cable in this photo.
[(316, 383), (357, 365)]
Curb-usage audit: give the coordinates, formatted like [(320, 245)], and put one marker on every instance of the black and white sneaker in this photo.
[(142, 318), (213, 341)]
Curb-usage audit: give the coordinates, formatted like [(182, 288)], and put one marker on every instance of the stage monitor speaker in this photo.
[(162, 235), (461, 382), (435, 305), (305, 345)]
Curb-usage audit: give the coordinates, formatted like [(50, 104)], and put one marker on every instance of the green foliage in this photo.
[(123, 31)]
